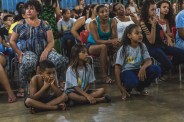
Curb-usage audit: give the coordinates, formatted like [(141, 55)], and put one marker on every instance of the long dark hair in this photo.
[(145, 10), (91, 7), (84, 12), (74, 57), (99, 7), (114, 7), (34, 3), (170, 15), (125, 40), (128, 2)]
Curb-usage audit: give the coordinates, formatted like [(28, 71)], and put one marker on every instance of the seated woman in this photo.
[(36, 44), (152, 38), (122, 20), (102, 38), (133, 7), (79, 25), (166, 20)]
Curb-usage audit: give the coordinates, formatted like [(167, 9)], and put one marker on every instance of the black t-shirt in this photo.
[(4, 33), (158, 39)]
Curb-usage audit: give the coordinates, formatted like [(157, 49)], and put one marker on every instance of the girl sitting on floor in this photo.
[(79, 77)]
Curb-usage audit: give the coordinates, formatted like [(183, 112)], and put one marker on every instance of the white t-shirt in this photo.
[(88, 20)]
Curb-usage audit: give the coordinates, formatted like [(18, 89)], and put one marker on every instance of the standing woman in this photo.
[(36, 44), (122, 20), (102, 39), (166, 20), (50, 8), (152, 38)]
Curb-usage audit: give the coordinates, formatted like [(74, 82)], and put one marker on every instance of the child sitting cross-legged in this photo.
[(44, 91), (79, 77)]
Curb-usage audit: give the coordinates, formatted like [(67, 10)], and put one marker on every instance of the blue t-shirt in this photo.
[(132, 58), (65, 26), (179, 24)]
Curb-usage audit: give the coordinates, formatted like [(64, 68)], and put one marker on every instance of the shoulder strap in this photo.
[(109, 22), (117, 19), (97, 21)]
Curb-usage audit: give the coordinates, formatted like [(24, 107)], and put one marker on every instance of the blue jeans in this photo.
[(2, 48), (131, 80), (67, 36), (161, 55)]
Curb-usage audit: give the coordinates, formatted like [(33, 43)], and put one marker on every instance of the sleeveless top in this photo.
[(102, 35), (121, 26)]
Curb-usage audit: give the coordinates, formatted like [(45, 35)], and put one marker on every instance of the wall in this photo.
[(10, 5)]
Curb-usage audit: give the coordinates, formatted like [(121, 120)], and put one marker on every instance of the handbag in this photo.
[(84, 36)]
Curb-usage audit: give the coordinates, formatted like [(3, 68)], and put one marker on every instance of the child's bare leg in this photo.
[(98, 93), (77, 98), (58, 100), (39, 105), (100, 100)]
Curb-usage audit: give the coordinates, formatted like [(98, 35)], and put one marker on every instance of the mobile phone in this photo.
[(158, 12)]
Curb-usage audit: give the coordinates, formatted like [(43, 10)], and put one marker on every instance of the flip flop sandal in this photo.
[(144, 92), (21, 94)]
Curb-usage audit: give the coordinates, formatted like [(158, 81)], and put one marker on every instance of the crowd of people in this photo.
[(132, 35)]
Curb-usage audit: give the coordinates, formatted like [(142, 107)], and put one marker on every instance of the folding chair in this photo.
[(174, 30)]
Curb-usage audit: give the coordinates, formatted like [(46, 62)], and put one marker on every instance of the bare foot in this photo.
[(61, 106)]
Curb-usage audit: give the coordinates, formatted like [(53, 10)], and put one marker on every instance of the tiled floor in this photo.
[(164, 104)]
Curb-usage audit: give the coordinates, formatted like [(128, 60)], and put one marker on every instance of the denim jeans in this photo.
[(131, 80), (161, 55)]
